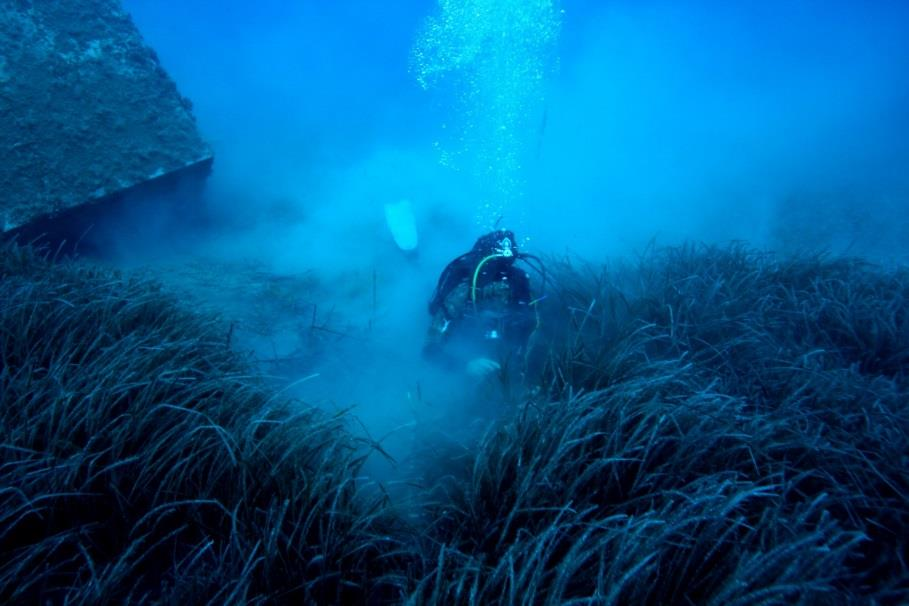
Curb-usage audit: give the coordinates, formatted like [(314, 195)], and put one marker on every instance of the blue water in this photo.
[(697, 120), (589, 128), (702, 424)]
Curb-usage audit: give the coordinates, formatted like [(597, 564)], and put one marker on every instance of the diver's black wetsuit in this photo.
[(482, 305)]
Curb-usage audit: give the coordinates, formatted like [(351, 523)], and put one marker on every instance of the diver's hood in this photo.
[(500, 243)]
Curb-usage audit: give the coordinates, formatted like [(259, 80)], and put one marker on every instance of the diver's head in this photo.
[(499, 243)]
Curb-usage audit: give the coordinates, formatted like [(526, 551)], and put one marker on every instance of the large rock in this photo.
[(86, 111)]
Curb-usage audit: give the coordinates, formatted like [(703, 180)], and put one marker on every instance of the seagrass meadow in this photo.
[(709, 425)]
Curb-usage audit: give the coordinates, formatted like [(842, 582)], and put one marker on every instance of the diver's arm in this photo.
[(523, 319), (434, 348), (453, 274), (520, 286), (435, 335)]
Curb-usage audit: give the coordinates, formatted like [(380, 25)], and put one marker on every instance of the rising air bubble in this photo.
[(492, 56)]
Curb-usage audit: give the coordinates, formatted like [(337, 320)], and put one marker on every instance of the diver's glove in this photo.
[(480, 367)]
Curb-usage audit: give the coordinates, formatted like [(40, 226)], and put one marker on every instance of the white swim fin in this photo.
[(402, 224)]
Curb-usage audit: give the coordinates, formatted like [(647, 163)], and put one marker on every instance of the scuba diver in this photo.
[(482, 311)]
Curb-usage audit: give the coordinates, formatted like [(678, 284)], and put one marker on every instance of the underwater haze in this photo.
[(675, 236), (587, 126)]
